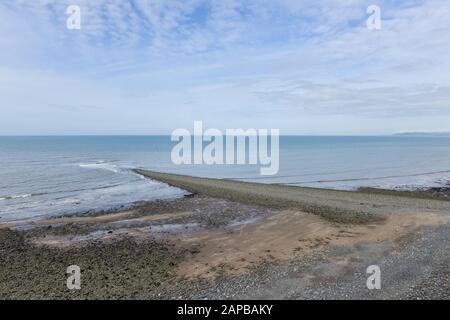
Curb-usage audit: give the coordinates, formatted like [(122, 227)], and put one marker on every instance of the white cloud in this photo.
[(229, 62)]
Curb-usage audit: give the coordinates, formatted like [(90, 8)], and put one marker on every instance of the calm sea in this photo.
[(45, 176)]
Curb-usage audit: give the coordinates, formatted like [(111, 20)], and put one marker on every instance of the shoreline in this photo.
[(232, 240), (348, 215)]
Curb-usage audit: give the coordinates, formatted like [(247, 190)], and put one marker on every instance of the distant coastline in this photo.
[(423, 134)]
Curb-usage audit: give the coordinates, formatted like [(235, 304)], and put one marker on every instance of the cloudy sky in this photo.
[(151, 66)]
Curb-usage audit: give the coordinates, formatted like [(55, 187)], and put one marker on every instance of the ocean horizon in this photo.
[(45, 176)]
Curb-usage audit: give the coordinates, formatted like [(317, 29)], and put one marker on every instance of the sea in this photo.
[(44, 176)]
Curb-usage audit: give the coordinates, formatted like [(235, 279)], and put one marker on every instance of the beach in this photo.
[(230, 239), (220, 150)]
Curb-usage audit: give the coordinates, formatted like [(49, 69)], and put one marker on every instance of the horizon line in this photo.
[(400, 134)]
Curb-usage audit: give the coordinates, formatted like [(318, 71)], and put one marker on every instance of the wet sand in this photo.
[(233, 239)]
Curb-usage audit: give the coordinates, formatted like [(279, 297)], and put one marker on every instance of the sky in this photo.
[(151, 66)]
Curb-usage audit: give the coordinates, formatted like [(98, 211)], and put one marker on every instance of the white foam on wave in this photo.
[(22, 196), (101, 166), (27, 195)]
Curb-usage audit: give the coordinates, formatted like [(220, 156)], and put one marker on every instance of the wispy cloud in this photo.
[(303, 66)]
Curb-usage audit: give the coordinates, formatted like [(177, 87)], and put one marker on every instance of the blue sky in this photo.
[(151, 66)]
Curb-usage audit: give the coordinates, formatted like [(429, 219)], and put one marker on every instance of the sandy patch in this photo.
[(96, 219), (154, 217), (285, 235), (66, 220), (155, 232), (65, 241), (113, 218)]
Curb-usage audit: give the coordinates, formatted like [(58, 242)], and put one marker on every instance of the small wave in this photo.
[(100, 165), (17, 196)]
